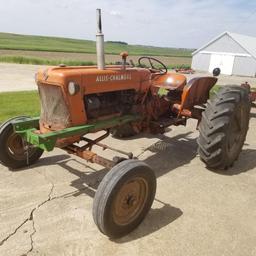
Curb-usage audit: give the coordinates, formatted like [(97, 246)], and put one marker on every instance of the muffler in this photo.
[(100, 42)]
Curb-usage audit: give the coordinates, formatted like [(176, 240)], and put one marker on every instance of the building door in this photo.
[(224, 62)]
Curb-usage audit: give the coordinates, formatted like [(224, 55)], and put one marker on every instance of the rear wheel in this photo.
[(224, 127), (14, 152), (124, 197)]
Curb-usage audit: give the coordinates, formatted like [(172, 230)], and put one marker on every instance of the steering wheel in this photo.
[(160, 70)]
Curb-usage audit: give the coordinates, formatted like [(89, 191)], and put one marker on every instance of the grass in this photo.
[(214, 89), (27, 103), (39, 61), (177, 66), (19, 103), (55, 44)]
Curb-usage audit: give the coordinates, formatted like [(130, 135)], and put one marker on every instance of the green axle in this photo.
[(27, 127)]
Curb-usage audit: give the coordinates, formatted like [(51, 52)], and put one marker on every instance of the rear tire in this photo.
[(12, 152), (223, 127), (124, 198)]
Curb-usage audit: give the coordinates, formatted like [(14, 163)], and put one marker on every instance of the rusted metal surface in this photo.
[(124, 56), (94, 158), (90, 142), (196, 92), (18, 148), (90, 156), (54, 110), (109, 104), (160, 125), (252, 94), (185, 70), (170, 81), (195, 113), (130, 200), (104, 147), (15, 147), (86, 153)]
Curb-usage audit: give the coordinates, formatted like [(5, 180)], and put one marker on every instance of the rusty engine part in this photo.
[(252, 94), (185, 70), (104, 104)]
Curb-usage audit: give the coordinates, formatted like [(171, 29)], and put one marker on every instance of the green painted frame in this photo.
[(26, 128)]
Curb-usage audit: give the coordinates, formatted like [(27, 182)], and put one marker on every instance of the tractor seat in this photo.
[(170, 81), (195, 93)]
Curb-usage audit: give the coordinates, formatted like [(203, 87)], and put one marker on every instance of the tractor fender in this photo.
[(7, 122)]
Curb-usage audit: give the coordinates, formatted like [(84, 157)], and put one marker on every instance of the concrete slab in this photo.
[(17, 77), (46, 209)]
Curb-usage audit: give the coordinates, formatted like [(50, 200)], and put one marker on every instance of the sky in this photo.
[(183, 23)]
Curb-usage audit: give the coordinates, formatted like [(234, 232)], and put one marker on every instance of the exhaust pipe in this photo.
[(100, 42)]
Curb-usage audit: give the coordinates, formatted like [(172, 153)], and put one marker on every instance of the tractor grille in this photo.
[(54, 111)]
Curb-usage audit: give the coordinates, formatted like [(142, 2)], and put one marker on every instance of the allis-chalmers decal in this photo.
[(106, 78)]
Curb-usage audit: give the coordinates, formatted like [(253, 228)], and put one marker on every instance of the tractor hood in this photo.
[(92, 80), (63, 90)]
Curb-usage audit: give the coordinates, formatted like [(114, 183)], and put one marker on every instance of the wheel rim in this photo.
[(236, 129), (15, 148), (130, 201)]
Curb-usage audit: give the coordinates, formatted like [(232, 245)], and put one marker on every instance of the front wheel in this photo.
[(124, 198), (14, 153), (223, 127)]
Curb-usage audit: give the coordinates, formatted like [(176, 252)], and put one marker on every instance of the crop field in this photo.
[(55, 58), (55, 44), (52, 51)]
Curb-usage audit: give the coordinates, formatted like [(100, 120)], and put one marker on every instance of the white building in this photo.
[(234, 54)]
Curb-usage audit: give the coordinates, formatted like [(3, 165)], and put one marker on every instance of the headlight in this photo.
[(73, 88)]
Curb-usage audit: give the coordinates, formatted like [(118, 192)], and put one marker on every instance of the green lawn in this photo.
[(18, 103), (214, 90), (56, 44)]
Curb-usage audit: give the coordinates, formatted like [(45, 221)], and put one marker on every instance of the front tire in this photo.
[(223, 127), (12, 149), (124, 198)]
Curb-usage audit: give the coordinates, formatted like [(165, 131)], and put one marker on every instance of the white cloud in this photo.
[(184, 23), (115, 13)]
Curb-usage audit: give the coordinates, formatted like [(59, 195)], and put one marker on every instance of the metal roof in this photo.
[(248, 43)]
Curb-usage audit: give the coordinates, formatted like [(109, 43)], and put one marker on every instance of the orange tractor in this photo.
[(124, 100)]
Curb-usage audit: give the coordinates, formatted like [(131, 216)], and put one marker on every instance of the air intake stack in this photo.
[(100, 42)]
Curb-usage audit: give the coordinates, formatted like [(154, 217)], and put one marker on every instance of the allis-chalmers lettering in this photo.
[(106, 78)]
